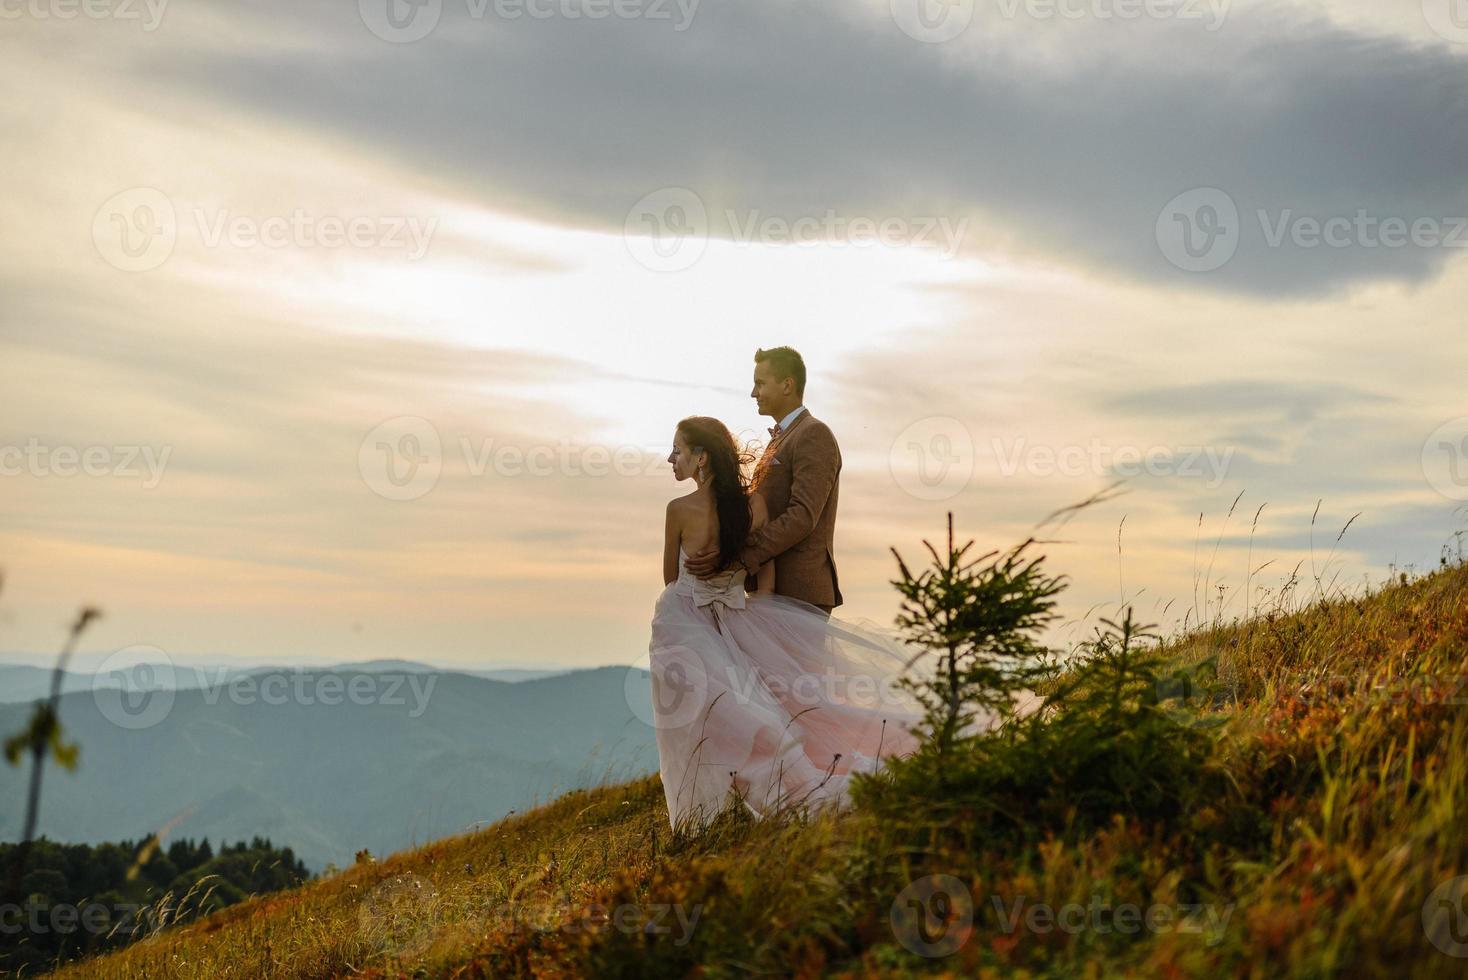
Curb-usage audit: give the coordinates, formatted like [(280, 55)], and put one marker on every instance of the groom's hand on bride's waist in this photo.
[(704, 564)]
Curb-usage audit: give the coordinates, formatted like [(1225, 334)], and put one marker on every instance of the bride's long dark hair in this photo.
[(727, 464)]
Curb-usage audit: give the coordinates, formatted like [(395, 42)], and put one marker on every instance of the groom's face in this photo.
[(773, 396)]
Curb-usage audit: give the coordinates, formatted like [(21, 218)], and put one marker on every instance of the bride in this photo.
[(759, 701)]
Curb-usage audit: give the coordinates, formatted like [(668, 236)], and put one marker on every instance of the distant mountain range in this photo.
[(379, 756), (20, 682)]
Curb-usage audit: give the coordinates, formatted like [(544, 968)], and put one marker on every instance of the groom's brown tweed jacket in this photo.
[(799, 477)]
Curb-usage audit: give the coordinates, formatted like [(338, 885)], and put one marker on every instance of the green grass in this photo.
[(1330, 807)]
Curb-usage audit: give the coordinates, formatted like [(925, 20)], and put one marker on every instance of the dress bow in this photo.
[(727, 589)]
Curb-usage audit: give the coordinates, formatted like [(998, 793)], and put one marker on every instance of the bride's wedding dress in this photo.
[(762, 697)]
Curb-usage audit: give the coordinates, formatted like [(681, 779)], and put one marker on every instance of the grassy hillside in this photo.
[(1332, 846)]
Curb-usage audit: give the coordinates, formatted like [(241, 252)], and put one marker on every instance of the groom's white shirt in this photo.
[(785, 422)]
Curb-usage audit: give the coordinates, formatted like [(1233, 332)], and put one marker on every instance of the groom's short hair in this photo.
[(786, 362)]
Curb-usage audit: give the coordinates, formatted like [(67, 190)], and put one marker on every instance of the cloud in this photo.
[(798, 109), (265, 369), (1291, 402)]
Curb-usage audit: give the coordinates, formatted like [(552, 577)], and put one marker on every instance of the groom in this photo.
[(798, 477)]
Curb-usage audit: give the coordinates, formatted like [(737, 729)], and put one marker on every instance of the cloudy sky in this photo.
[(338, 330)]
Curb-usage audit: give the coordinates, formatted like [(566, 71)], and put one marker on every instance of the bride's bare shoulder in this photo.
[(683, 504)]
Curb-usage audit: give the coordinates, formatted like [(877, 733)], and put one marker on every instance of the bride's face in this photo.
[(684, 459)]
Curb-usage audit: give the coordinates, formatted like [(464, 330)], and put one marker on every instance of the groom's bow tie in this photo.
[(774, 432)]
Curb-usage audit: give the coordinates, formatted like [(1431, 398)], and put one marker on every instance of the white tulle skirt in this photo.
[(772, 705)]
